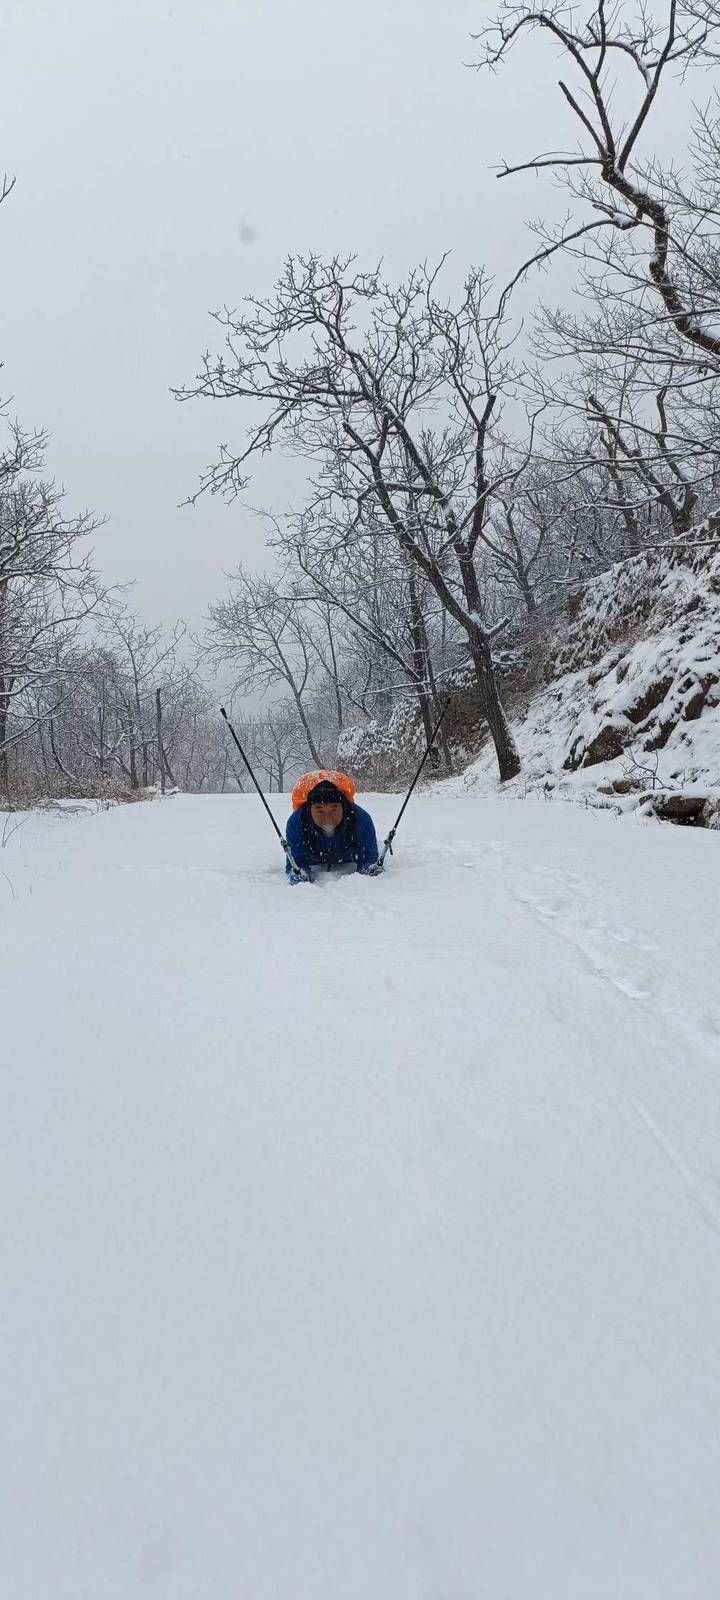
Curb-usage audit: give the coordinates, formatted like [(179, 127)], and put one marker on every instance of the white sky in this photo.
[(168, 157)]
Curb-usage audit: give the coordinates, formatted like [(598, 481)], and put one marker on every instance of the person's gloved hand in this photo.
[(298, 876), (374, 870)]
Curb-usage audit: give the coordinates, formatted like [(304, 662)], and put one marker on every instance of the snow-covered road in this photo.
[(360, 1241)]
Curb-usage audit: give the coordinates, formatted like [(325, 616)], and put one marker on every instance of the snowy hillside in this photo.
[(617, 697), (633, 696), (360, 1239)]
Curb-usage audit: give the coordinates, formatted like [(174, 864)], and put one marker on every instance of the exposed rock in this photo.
[(653, 696), (694, 704), (610, 662), (606, 745), (621, 786), (659, 739), (682, 808)]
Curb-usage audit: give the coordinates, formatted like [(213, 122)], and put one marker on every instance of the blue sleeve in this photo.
[(294, 836), (367, 846)]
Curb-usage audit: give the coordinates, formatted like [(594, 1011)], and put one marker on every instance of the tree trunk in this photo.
[(4, 764), (527, 594), (420, 659), (101, 736), (505, 748), (447, 757), (72, 779), (43, 752), (420, 689), (335, 679), (168, 768), (161, 758), (312, 747)]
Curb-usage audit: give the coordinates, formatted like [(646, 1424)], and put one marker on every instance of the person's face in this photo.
[(327, 815)]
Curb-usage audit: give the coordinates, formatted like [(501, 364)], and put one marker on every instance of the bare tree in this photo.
[(377, 590), (263, 632), (349, 373), (7, 184), (280, 742), (647, 230), (48, 587), (148, 662)]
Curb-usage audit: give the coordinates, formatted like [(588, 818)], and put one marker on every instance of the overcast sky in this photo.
[(168, 157)]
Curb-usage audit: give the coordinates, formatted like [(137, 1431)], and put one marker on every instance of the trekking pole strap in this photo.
[(288, 852), (388, 843)]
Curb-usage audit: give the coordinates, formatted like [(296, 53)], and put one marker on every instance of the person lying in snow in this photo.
[(327, 829)]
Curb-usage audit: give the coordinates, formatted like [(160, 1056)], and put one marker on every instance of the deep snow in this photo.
[(361, 1240)]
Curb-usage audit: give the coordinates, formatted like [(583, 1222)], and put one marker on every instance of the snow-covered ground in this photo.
[(361, 1240)]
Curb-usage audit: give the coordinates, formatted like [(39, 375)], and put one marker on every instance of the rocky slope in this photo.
[(614, 693)]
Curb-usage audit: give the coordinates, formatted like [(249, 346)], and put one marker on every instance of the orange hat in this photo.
[(310, 779)]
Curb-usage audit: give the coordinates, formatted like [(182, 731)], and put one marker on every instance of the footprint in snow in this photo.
[(594, 942)]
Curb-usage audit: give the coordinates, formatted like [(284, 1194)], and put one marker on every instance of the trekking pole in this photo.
[(288, 852), (388, 843)]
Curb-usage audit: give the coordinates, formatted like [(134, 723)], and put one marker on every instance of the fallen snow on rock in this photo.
[(360, 1240), (632, 701)]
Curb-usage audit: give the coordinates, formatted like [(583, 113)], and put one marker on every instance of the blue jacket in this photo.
[(354, 840)]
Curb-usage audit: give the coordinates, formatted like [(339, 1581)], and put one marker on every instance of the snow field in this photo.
[(360, 1240)]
